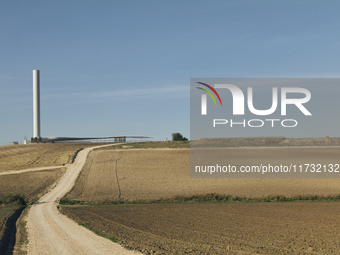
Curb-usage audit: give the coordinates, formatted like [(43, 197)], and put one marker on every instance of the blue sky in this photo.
[(124, 67)]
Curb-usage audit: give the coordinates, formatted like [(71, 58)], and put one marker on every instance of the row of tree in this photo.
[(178, 137), (36, 140)]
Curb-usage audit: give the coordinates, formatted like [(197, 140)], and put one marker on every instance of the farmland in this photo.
[(16, 157), (220, 228), (135, 174), (18, 186), (31, 184), (144, 174)]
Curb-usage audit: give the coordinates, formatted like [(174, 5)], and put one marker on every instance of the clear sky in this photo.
[(123, 67)]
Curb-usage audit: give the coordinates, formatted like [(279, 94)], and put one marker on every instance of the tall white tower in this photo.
[(36, 103)]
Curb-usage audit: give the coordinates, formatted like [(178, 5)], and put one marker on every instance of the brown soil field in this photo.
[(144, 174), (16, 157), (207, 228), (32, 184), (218, 228)]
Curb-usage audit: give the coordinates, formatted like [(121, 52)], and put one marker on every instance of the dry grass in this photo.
[(17, 157), (21, 239), (30, 184), (159, 173), (126, 175)]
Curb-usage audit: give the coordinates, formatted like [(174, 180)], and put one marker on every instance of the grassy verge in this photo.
[(99, 233), (208, 198), (21, 240), (149, 145), (8, 228), (11, 207), (71, 161)]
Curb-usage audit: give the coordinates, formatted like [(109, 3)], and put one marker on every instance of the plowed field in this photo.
[(232, 228), (205, 228), (143, 174)]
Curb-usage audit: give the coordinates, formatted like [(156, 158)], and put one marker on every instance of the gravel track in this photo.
[(50, 232)]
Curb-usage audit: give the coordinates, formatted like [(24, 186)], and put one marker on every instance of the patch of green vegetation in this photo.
[(99, 233), (149, 145), (208, 198), (14, 199), (7, 210), (178, 137), (8, 219), (66, 201), (22, 236)]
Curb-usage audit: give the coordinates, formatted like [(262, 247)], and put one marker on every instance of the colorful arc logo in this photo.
[(209, 93)]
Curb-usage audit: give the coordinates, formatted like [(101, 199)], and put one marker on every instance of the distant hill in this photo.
[(263, 142)]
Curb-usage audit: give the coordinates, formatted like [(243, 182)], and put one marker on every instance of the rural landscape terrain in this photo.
[(141, 196), (45, 165), (38, 155)]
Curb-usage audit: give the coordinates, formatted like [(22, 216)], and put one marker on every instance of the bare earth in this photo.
[(228, 228), (50, 232), (223, 228)]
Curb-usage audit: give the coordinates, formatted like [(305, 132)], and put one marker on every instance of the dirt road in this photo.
[(50, 232)]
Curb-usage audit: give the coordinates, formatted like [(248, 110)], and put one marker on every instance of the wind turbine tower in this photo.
[(36, 104)]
